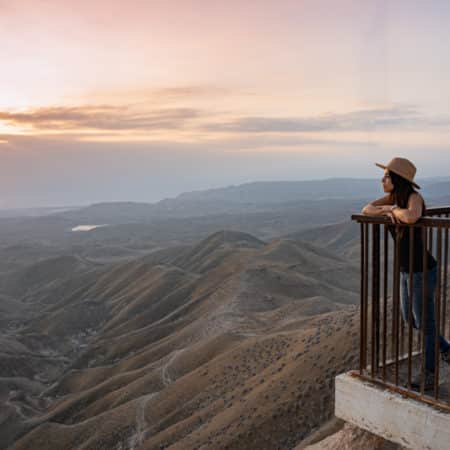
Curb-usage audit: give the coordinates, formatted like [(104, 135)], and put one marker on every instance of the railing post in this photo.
[(438, 313), (364, 309), (444, 300), (412, 232), (424, 301), (375, 341), (385, 295), (396, 303), (361, 306)]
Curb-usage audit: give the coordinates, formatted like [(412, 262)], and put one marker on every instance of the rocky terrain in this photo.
[(229, 342)]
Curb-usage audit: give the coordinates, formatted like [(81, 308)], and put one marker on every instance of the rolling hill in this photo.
[(231, 341)]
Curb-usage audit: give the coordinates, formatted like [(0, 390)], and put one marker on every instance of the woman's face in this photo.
[(387, 182)]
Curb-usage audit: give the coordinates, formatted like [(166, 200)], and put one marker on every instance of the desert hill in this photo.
[(256, 392), (231, 339), (43, 272), (343, 238)]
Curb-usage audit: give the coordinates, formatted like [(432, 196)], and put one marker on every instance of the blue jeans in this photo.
[(430, 319)]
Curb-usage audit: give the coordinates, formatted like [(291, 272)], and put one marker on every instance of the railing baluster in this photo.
[(393, 308), (430, 246), (444, 309), (375, 341), (412, 232), (361, 307), (365, 293), (402, 335), (385, 293), (396, 297), (424, 301), (438, 313)]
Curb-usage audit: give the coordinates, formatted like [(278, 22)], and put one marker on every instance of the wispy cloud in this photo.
[(225, 144), (100, 117), (146, 97), (202, 123), (396, 117), (190, 91)]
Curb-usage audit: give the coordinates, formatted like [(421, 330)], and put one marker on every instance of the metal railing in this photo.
[(392, 350)]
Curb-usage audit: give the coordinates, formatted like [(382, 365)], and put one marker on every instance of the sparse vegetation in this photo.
[(229, 343)]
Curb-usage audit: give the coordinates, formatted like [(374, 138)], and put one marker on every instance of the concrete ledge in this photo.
[(387, 414)]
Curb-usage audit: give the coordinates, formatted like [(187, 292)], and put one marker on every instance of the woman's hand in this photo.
[(388, 208), (391, 215)]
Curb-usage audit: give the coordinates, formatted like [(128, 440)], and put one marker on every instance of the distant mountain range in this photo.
[(285, 191), (247, 197), (250, 197)]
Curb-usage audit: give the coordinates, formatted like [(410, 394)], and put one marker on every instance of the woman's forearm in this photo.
[(405, 215), (372, 210)]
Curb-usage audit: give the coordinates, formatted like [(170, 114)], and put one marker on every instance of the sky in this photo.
[(142, 100)]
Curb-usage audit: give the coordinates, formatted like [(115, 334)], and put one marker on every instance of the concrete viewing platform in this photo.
[(391, 415), (382, 396)]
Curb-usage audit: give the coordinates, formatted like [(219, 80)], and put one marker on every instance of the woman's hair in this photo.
[(402, 190), (400, 195)]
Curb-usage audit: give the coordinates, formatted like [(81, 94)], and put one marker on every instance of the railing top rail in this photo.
[(426, 221), (437, 210)]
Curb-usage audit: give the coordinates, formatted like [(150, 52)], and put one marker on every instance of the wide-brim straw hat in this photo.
[(403, 167)]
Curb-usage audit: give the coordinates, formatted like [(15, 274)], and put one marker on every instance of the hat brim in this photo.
[(385, 167)]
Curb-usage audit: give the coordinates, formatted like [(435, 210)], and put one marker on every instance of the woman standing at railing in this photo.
[(403, 204)]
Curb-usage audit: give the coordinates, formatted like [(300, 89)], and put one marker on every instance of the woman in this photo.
[(403, 204)]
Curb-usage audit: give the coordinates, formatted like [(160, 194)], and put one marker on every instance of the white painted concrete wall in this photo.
[(402, 420)]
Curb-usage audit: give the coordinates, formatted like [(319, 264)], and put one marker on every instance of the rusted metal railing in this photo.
[(392, 349)]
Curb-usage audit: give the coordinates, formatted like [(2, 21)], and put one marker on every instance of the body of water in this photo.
[(88, 227)]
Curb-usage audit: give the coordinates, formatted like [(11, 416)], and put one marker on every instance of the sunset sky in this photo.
[(141, 100)]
